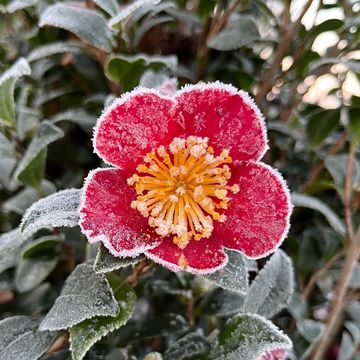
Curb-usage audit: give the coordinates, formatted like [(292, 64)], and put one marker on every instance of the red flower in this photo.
[(275, 354), (186, 180)]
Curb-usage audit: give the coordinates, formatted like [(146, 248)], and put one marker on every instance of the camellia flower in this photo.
[(276, 354), (187, 181)]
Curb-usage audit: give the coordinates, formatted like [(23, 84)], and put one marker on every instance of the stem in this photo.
[(338, 302), (140, 269), (286, 38), (352, 255)]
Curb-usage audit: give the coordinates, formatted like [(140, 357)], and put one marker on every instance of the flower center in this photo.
[(184, 188)]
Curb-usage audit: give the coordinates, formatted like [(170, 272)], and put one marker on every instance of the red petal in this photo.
[(228, 117), (258, 215), (201, 257), (106, 215), (276, 354), (132, 126)]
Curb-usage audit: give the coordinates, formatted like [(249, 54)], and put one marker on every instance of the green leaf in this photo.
[(248, 336), (30, 169), (191, 346), (311, 202), (236, 34), (56, 210), (234, 276), (20, 339), (10, 247), (39, 259), (85, 295), (127, 69), (7, 160), (321, 125), (106, 262), (272, 289), (79, 117), (59, 47), (7, 86), (125, 13), (110, 6), (87, 333), (336, 165), (89, 25)]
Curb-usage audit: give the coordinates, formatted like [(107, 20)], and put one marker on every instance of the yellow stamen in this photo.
[(181, 188)]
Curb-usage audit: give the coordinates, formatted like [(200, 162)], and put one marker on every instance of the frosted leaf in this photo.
[(79, 117), (106, 262), (89, 25), (149, 24), (248, 336), (297, 306), (10, 244), (27, 120), (310, 330), (59, 47), (191, 346), (84, 296), (16, 5), (24, 198), (126, 12), (311, 202), (87, 333), (336, 165), (347, 348), (127, 69), (239, 32), (110, 6), (7, 159), (234, 276), (272, 289), (38, 260), (20, 339), (7, 86), (151, 79), (56, 210), (46, 135)]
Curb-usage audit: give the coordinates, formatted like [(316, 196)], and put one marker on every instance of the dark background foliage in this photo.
[(300, 62)]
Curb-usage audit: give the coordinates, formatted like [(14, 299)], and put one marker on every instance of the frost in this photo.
[(7, 159), (46, 135), (88, 332), (24, 198), (59, 47), (313, 203), (10, 243), (79, 117), (190, 346), (7, 86), (89, 25), (57, 210), (238, 33), (20, 68), (248, 337), (38, 260), (234, 276), (110, 6), (84, 296), (106, 262), (272, 289), (20, 340), (128, 11), (15, 5), (310, 329)]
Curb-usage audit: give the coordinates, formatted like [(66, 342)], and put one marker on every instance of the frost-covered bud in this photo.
[(153, 356)]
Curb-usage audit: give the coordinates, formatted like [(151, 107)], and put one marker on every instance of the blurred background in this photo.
[(62, 62)]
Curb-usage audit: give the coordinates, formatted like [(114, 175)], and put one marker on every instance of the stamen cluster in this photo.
[(183, 188)]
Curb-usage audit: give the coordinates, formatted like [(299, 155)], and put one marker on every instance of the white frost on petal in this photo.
[(217, 85), (176, 268), (136, 251), (126, 97)]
